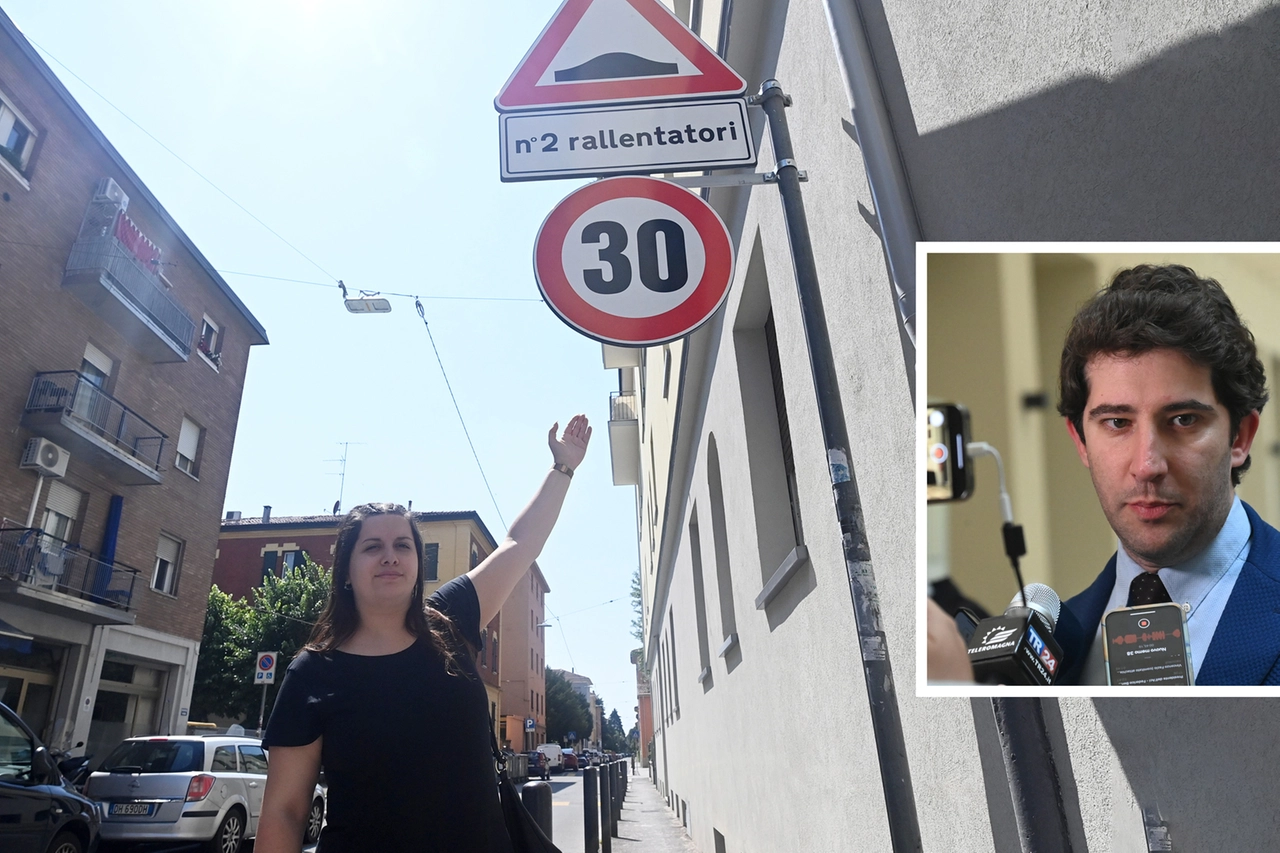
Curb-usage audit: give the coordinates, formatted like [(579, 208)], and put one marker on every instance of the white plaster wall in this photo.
[(779, 754)]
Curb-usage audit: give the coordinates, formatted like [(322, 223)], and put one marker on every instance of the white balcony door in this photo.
[(91, 403)]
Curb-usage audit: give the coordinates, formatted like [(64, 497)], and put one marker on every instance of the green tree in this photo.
[(567, 710), (277, 618), (615, 737), (224, 670), (284, 611)]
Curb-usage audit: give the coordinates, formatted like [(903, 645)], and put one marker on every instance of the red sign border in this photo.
[(521, 91), (575, 311)]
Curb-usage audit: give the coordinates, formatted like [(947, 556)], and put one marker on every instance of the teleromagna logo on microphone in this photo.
[(997, 636)]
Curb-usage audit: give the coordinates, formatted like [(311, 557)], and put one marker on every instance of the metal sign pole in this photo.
[(262, 709), (895, 772)]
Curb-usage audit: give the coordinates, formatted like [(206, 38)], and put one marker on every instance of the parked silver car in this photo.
[(187, 788)]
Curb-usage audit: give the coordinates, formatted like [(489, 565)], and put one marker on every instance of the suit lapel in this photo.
[(1246, 644), (1078, 623)]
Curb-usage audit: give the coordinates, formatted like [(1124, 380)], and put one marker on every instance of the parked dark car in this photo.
[(39, 810), (539, 765), (571, 761)]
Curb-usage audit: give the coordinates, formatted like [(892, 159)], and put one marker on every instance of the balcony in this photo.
[(95, 427), (624, 438), (39, 571), (121, 290)]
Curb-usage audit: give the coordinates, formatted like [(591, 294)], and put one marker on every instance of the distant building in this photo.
[(644, 706), (249, 549), (122, 365), (524, 678)]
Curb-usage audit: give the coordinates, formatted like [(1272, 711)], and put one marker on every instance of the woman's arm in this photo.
[(291, 781), (502, 570)]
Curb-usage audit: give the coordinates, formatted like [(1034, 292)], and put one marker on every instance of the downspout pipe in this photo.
[(886, 177), (1034, 785)]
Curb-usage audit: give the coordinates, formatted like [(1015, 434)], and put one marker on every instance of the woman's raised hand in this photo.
[(569, 448)]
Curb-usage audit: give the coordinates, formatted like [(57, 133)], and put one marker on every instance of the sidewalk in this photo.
[(647, 825)]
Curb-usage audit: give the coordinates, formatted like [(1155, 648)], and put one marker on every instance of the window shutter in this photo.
[(64, 500), (98, 359), (189, 438), (167, 549)]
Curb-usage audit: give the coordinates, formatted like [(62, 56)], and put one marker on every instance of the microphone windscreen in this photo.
[(1042, 599)]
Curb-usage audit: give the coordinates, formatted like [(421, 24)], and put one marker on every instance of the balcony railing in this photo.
[(36, 559), (624, 438), (622, 406), (136, 285), (77, 403)]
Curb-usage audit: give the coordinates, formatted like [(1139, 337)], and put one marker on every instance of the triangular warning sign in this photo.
[(616, 51)]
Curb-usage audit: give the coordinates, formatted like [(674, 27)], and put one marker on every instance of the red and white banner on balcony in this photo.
[(132, 238)]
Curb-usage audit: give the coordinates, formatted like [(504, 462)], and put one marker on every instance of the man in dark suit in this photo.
[(1162, 388)]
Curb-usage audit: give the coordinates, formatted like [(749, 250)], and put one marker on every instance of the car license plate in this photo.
[(132, 808)]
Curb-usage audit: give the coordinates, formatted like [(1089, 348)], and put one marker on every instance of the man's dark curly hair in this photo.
[(1156, 307)]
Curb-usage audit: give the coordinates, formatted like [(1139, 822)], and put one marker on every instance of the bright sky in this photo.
[(364, 133)]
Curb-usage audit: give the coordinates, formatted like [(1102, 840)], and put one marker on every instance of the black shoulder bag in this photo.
[(526, 835)]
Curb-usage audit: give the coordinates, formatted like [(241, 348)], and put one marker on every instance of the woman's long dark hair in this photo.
[(340, 619)]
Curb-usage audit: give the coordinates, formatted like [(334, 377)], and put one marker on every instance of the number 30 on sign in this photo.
[(633, 261)]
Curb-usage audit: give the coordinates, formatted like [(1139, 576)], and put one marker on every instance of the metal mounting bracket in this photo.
[(741, 180)]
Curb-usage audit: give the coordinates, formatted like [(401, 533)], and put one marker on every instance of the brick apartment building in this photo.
[(121, 373), (455, 542)]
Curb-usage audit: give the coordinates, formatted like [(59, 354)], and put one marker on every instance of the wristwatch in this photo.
[(563, 469)]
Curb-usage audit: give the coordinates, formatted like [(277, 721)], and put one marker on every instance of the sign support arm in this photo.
[(886, 721)]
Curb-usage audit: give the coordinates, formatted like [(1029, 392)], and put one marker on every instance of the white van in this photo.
[(555, 756)]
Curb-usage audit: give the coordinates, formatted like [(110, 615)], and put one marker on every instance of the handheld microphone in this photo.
[(1018, 647)]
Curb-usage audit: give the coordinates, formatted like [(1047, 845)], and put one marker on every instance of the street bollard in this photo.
[(615, 788), (606, 811), (590, 816), (536, 797)]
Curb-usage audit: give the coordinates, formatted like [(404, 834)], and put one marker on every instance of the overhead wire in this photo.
[(175, 155), (423, 314)]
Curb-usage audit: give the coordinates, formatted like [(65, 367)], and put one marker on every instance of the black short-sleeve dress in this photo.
[(406, 749)]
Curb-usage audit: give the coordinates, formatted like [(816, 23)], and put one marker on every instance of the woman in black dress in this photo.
[(386, 694)]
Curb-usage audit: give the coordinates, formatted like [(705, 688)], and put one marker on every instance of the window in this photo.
[(210, 344), (255, 760), (224, 758), (784, 429), (494, 655), (700, 602), (60, 511), (720, 536), (269, 559), (96, 367), (17, 140), (431, 561), (292, 560), (168, 560), (189, 447), (16, 750)]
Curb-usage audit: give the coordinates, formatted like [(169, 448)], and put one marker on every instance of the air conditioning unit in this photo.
[(109, 190), (46, 457)]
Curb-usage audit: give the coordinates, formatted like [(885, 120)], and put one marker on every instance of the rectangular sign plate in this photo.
[(625, 140)]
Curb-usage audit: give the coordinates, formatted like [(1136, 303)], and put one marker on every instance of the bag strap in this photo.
[(497, 753)]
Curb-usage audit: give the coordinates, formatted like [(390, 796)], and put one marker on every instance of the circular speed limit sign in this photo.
[(633, 261)]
